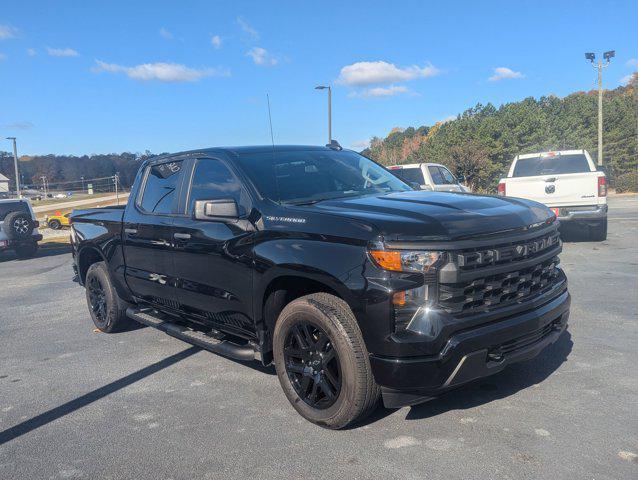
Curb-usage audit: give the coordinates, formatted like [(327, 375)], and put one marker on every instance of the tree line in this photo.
[(480, 143)]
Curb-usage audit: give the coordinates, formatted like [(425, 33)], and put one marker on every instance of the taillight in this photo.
[(602, 187), (501, 189)]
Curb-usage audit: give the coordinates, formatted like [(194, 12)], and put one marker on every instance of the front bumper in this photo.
[(588, 213), (470, 354)]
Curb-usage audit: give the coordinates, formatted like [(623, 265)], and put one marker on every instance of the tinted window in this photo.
[(447, 175), (530, 167), (413, 174), (437, 176), (160, 190), (314, 175), (8, 207), (212, 180)]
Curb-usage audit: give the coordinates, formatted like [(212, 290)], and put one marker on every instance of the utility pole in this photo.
[(44, 185), (15, 163), (324, 87), (600, 66), (115, 181)]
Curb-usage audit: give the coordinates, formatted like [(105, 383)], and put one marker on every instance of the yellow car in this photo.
[(58, 220)]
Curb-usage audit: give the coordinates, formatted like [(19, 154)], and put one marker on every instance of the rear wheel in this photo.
[(107, 310), (55, 224), (598, 233), (322, 362)]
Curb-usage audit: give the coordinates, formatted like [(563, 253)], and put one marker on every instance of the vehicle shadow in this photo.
[(49, 249), (511, 380), (574, 233)]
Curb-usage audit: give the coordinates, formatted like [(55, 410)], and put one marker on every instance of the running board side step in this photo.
[(216, 345)]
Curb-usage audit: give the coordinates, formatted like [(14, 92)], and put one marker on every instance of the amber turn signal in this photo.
[(387, 260)]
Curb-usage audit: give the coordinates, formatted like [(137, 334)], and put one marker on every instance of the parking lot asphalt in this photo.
[(139, 404)]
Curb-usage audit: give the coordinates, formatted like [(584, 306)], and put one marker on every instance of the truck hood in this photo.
[(421, 215)]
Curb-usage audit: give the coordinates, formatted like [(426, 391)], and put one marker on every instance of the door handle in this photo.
[(130, 231), (182, 236)]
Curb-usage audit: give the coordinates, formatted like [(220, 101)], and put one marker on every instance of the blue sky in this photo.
[(96, 77)]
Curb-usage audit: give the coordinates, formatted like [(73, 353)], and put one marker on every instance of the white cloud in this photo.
[(262, 57), (2, 56), (448, 119), (381, 92), (18, 125), (247, 28), (62, 52), (166, 34), (625, 80), (632, 62), (32, 52), (360, 145), (380, 72), (501, 73), (216, 41), (162, 72), (7, 32)]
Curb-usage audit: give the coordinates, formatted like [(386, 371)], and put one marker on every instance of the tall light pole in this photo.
[(600, 66), (15, 163), (44, 185), (324, 87)]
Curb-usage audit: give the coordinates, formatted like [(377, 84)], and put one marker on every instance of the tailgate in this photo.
[(556, 190)]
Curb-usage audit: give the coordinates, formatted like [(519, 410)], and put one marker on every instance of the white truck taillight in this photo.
[(501, 189), (602, 187)]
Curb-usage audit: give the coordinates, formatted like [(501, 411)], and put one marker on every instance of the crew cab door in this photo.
[(148, 234), (213, 257)]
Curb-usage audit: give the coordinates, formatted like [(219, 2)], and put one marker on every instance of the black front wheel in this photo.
[(322, 362), (107, 310)]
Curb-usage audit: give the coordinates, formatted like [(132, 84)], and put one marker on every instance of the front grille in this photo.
[(499, 290), (476, 258)]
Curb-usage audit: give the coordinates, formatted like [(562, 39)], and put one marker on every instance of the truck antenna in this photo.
[(272, 137)]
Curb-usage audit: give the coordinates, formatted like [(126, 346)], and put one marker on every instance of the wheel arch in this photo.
[(87, 256)]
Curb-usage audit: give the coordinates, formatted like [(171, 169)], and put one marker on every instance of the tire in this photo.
[(108, 311), (18, 225), (312, 317), (55, 224), (598, 233), (26, 250)]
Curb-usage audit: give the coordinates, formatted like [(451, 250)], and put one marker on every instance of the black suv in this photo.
[(322, 262)]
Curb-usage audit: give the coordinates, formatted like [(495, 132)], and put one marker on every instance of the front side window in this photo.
[(161, 188), (447, 175), (437, 176), (304, 176), (212, 180)]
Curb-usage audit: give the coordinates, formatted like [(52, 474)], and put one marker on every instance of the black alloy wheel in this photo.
[(312, 365), (97, 299)]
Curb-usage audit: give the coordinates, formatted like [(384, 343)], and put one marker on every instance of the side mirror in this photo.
[(219, 209), (461, 179)]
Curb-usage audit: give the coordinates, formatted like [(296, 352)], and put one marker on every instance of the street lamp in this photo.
[(324, 87), (600, 66), (15, 163)]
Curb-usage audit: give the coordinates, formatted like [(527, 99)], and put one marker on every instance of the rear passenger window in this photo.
[(447, 176), (161, 188), (212, 180)]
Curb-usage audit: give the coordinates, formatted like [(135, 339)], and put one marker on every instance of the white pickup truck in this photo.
[(567, 182), (429, 176)]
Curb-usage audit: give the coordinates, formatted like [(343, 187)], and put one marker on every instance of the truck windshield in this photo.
[(411, 174), (533, 166), (309, 176)]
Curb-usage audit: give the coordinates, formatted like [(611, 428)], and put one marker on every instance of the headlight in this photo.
[(406, 260)]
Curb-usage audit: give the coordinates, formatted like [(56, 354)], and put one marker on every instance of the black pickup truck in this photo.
[(322, 262)]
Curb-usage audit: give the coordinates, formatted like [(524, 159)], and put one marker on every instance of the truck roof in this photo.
[(247, 150)]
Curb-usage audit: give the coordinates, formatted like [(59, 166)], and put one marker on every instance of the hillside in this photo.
[(481, 142)]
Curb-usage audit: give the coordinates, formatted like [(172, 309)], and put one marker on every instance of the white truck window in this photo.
[(410, 175), (554, 165)]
